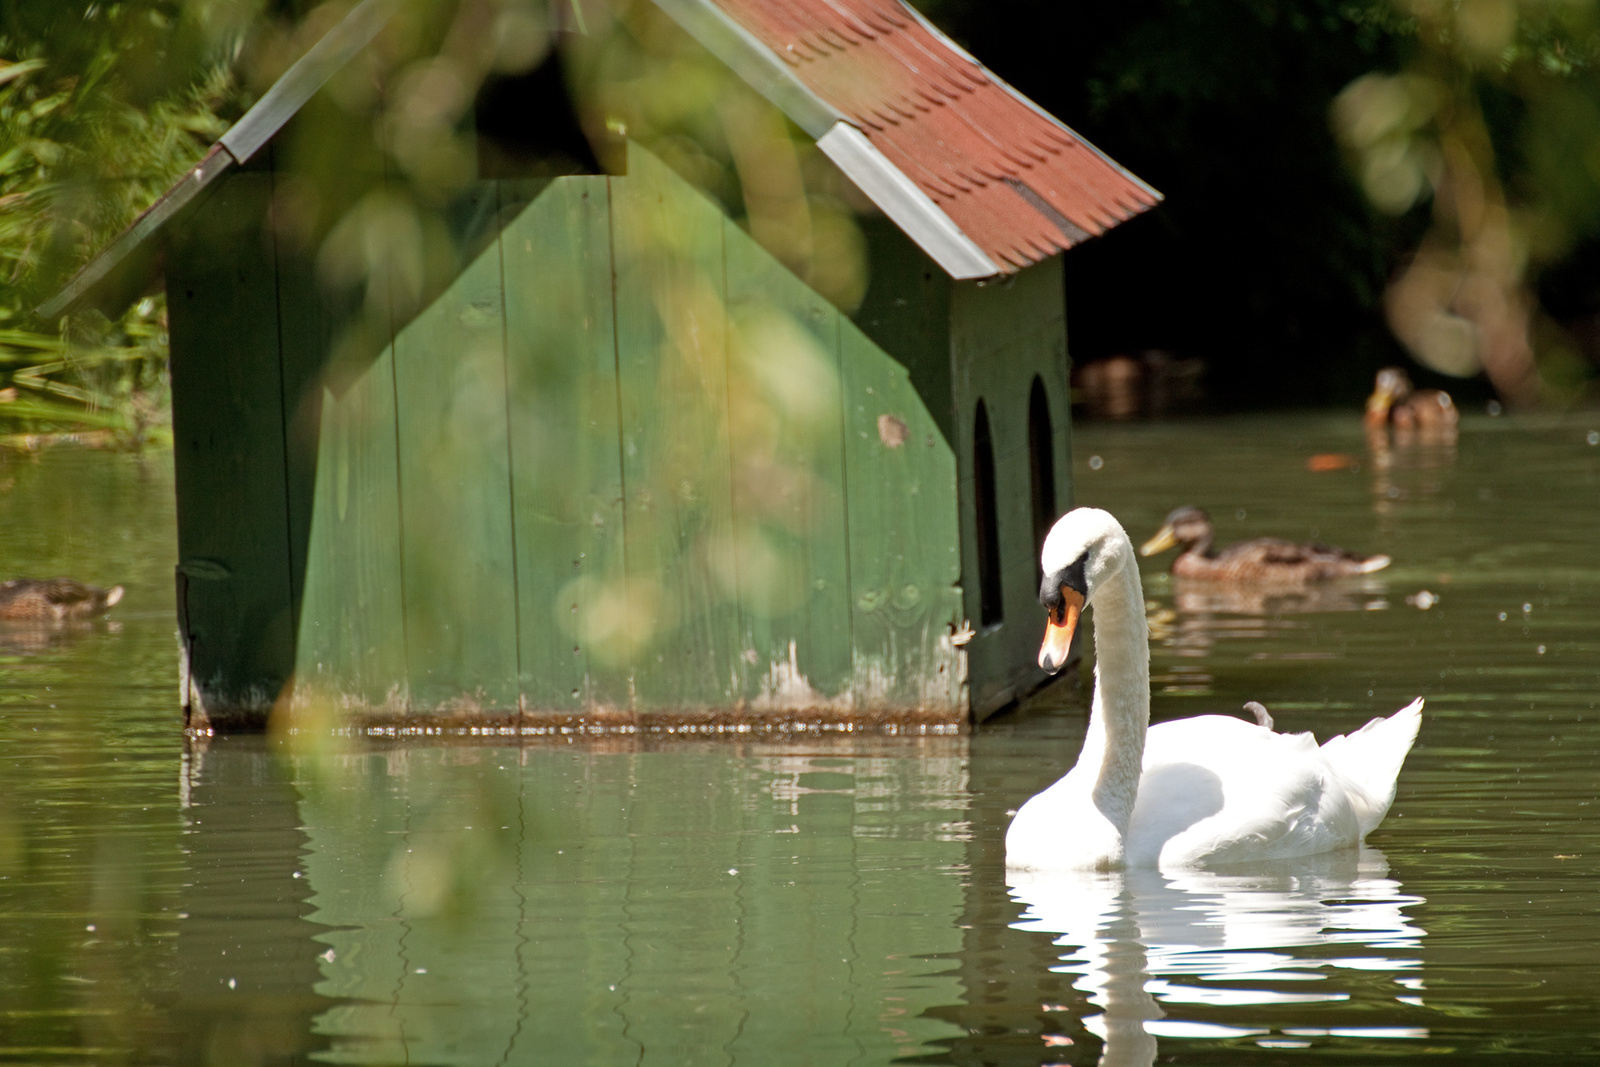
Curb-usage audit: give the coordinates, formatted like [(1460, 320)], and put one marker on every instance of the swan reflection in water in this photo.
[(1273, 955)]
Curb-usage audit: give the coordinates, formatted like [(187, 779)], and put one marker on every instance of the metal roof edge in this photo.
[(851, 151), (184, 190), (304, 77), (756, 65), (1021, 97), (906, 204)]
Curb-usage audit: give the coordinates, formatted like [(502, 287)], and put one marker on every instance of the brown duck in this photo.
[(1263, 560), (53, 599), (1395, 402)]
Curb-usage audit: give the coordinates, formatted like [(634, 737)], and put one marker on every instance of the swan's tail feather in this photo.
[(1369, 759)]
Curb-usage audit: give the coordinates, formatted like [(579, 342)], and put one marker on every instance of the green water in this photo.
[(839, 901)]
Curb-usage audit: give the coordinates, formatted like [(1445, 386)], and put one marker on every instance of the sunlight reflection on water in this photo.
[(1139, 942)]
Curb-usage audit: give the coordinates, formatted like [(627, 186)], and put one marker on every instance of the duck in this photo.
[(53, 599), (1265, 560), (1395, 402), (1208, 791)]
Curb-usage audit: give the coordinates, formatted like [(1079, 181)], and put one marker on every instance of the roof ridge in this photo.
[(858, 76)]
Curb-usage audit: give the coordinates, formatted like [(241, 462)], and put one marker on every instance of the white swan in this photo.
[(1196, 792)]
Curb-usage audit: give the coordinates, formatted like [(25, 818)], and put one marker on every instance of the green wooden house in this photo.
[(621, 468)]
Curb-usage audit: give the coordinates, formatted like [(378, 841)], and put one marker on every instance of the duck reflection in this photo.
[(1411, 468), (1261, 955), (1209, 598), (29, 639), (1203, 613)]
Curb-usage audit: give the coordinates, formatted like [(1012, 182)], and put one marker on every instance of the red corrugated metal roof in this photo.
[(1019, 184)]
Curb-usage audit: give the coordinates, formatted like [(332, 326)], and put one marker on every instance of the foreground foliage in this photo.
[(1349, 181)]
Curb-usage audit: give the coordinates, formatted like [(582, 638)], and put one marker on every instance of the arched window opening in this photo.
[(990, 603), (1041, 466)]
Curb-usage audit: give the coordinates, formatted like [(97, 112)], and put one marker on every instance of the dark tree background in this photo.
[(1265, 260)]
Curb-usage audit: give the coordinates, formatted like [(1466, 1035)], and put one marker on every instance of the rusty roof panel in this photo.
[(1021, 185)]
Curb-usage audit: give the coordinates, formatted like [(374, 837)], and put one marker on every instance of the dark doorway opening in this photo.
[(1041, 467), (527, 127), (990, 600)]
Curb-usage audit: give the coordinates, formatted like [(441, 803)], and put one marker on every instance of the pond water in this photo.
[(836, 901)]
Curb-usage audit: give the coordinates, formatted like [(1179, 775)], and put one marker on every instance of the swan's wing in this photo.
[(1217, 789)]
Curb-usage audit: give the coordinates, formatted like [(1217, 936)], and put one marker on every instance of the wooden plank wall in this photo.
[(790, 549), (905, 549), (352, 637), (235, 584), (624, 460), (457, 563), (672, 365), (567, 481), (343, 501)]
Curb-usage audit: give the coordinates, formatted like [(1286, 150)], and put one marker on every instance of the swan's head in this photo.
[(1184, 526), (1084, 548)]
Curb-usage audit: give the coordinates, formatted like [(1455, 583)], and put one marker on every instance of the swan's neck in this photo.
[(1113, 747)]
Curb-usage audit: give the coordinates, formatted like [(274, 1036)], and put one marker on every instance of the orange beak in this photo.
[(1058, 631)]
